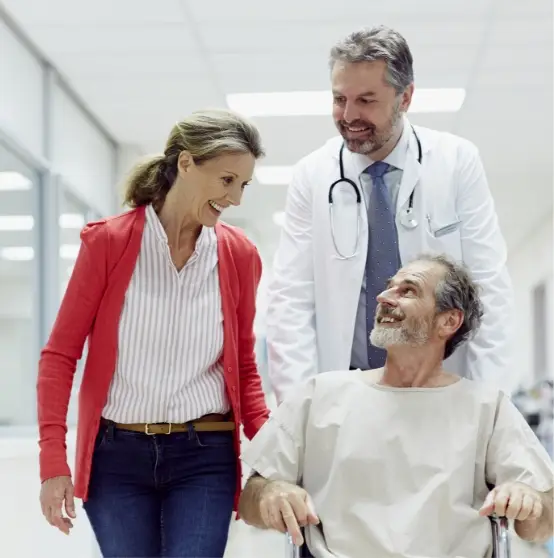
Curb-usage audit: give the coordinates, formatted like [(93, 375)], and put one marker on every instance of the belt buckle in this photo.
[(149, 433)]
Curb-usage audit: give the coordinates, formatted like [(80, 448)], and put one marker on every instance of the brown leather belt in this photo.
[(207, 423)]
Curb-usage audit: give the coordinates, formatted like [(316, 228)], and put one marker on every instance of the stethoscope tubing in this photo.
[(344, 179)]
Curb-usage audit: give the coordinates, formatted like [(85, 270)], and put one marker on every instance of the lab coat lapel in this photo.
[(343, 305), (410, 176)]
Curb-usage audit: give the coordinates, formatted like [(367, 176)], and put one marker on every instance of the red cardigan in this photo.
[(91, 309)]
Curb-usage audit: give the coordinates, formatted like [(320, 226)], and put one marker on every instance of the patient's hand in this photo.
[(287, 507), (513, 500)]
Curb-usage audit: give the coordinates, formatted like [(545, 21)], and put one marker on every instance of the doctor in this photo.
[(367, 202)]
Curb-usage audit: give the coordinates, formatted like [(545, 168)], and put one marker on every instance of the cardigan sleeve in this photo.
[(252, 399), (64, 348)]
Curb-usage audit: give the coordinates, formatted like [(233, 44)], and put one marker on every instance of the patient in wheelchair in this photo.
[(407, 461)]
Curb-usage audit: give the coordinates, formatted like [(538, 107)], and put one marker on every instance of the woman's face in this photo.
[(213, 186)]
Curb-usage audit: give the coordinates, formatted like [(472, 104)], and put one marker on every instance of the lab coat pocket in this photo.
[(445, 239), (447, 229)]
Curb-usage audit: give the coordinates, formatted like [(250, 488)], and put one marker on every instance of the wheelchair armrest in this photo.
[(500, 540)]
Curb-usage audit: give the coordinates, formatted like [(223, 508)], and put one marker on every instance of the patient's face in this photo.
[(406, 313)]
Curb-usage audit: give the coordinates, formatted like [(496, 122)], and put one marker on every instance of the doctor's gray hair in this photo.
[(457, 291), (378, 43)]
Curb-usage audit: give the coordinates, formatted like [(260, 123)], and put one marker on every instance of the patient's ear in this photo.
[(450, 322)]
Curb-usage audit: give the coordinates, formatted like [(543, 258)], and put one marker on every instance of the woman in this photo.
[(165, 295)]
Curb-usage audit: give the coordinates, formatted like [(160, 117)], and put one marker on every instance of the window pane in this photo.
[(18, 314), (82, 155)]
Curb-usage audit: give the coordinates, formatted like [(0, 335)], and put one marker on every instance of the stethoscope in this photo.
[(407, 217)]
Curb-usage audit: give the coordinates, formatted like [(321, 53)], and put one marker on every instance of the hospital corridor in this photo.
[(291, 262)]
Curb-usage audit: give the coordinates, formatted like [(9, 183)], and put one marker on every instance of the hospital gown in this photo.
[(398, 472)]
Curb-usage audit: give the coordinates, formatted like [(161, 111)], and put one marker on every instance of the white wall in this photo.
[(127, 156), (81, 154), (21, 92), (530, 265)]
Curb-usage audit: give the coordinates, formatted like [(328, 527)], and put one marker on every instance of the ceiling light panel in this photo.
[(319, 103)]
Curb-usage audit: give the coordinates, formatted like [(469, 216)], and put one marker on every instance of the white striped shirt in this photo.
[(169, 365)]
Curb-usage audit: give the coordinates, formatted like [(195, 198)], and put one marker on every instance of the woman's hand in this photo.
[(56, 493)]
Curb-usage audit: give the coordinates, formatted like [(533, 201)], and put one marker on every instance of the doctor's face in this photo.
[(406, 312), (366, 109)]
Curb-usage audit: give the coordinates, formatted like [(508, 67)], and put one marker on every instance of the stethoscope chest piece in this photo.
[(408, 219)]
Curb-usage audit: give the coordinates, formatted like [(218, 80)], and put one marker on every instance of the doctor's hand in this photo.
[(513, 500), (56, 493), (286, 508)]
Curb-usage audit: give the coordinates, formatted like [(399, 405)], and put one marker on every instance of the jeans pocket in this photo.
[(215, 439), (101, 437)]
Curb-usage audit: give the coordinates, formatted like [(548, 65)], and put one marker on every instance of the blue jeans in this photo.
[(166, 495)]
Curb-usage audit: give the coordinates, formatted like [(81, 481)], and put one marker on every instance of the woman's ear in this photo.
[(185, 162)]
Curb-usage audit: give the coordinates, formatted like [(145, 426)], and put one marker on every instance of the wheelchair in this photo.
[(500, 541)]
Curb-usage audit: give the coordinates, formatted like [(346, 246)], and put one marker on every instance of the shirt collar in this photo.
[(397, 157), (206, 238)]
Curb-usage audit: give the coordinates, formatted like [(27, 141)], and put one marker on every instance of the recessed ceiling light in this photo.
[(17, 253), (14, 181), (16, 223), (293, 103), (437, 100), (71, 221), (26, 222), (319, 103), (26, 253), (69, 251), (273, 175)]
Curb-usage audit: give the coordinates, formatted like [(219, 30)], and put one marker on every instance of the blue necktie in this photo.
[(383, 258)]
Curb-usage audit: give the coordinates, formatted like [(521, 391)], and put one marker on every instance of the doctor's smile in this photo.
[(351, 131)]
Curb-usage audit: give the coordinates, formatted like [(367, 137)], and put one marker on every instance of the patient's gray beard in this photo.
[(384, 337)]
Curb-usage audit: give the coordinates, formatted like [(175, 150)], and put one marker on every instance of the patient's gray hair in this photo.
[(378, 43), (457, 291)]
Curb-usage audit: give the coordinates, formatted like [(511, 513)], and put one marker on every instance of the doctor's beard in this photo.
[(375, 139)]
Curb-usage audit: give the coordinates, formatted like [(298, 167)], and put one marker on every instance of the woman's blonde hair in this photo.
[(205, 134)]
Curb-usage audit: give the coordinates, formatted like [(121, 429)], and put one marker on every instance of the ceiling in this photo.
[(140, 65)]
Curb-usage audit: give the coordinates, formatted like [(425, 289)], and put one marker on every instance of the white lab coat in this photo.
[(313, 296)]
